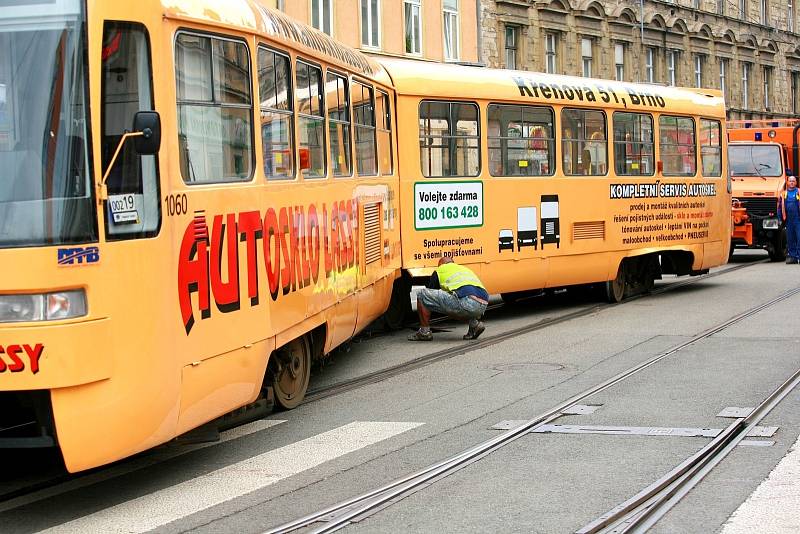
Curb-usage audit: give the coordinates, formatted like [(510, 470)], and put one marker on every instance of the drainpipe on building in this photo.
[(641, 47), (478, 34)]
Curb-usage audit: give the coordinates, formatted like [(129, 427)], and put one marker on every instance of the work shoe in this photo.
[(791, 260), (421, 336), (473, 333)]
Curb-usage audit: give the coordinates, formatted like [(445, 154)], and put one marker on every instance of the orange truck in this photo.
[(761, 153)]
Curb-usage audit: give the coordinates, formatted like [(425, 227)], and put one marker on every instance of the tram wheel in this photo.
[(399, 309), (290, 370), (615, 289)]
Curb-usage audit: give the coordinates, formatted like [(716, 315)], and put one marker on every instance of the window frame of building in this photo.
[(743, 9), (745, 85), (721, 7), (587, 53), (412, 27), (632, 149), (371, 24), (451, 51), (282, 111), (672, 67), (767, 79), (649, 64), (456, 144), (511, 45), (723, 72), (795, 88), (619, 62), (698, 70), (322, 15), (763, 11), (790, 17), (525, 141), (551, 52), (682, 147), (215, 99), (580, 142)]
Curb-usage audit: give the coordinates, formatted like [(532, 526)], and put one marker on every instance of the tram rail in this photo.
[(342, 514), (416, 363)]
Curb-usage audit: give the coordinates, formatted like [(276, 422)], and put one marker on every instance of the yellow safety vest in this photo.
[(452, 276)]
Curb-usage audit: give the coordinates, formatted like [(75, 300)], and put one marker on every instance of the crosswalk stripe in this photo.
[(155, 457), (192, 496), (774, 507)]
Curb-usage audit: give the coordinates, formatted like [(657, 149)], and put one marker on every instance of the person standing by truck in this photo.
[(789, 211)]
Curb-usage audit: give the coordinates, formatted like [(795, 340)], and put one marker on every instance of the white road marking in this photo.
[(774, 507), (154, 457), (192, 496)]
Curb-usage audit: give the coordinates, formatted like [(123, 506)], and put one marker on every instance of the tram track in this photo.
[(463, 348), (422, 361), (342, 514)]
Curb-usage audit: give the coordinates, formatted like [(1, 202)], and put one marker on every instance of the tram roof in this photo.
[(438, 80), (251, 16)]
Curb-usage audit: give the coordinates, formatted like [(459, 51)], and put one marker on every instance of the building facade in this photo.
[(747, 48), (433, 30)]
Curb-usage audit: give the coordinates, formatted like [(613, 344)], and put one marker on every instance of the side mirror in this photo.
[(149, 123)]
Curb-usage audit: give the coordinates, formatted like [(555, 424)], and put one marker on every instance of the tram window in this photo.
[(275, 91), (449, 139), (633, 144), (311, 121), (521, 141), (214, 109), (364, 111), (711, 147), (126, 89), (337, 95), (677, 145), (584, 142), (383, 113)]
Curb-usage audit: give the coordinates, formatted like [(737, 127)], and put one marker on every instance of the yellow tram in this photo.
[(150, 287), (200, 197), (540, 181)]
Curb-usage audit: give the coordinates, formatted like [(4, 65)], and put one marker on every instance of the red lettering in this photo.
[(294, 245), (33, 355), (272, 259), (326, 237), (2, 363), (287, 272), (226, 294), (193, 272), (313, 242), (300, 228), (17, 364), (250, 227)]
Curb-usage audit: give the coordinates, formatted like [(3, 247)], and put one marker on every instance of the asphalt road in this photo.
[(295, 463)]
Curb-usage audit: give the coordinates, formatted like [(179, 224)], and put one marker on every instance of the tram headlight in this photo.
[(18, 308), (771, 224)]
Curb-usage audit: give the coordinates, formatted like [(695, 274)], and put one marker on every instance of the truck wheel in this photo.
[(777, 249)]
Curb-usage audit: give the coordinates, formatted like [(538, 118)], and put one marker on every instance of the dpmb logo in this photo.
[(78, 256)]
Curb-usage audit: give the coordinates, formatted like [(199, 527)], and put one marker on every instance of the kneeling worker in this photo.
[(455, 291)]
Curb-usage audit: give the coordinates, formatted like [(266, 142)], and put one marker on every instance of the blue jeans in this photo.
[(440, 301), (793, 237)]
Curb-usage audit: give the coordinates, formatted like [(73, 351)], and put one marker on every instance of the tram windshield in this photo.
[(755, 160), (45, 187)]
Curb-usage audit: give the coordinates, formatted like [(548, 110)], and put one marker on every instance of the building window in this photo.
[(723, 69), (795, 87), (450, 8), (696, 4), (767, 83), (763, 11), (322, 15), (550, 52), (413, 27), (790, 17), (743, 9), (370, 23), (512, 34), (698, 70), (649, 65), (586, 57), (281, 5), (619, 62), (721, 7), (745, 85), (671, 67)]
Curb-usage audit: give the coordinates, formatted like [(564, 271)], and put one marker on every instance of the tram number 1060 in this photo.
[(176, 204)]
